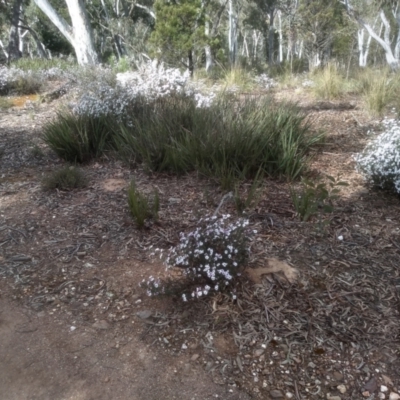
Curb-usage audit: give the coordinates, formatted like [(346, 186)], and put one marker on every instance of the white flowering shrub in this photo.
[(211, 256), (19, 81), (265, 81), (380, 160), (148, 83)]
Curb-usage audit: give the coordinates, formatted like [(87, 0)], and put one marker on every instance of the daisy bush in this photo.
[(211, 256), (148, 83), (380, 160), (18, 81), (265, 81)]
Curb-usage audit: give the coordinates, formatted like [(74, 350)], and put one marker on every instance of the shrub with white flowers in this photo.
[(265, 81), (211, 256), (149, 82), (380, 160), (19, 81)]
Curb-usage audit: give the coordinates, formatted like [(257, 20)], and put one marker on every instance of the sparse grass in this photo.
[(5, 103), (28, 83), (41, 64), (239, 78), (77, 138), (66, 178), (329, 84), (142, 207), (379, 89)]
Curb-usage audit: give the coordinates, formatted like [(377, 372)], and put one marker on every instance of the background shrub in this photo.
[(380, 160)]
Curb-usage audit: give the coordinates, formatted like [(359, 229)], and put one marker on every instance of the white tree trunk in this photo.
[(385, 43), (79, 35), (232, 32), (363, 50), (280, 37), (207, 49)]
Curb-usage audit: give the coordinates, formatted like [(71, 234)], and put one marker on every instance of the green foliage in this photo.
[(5, 103), (232, 139), (27, 83), (41, 64), (315, 197), (179, 29), (66, 178), (379, 89), (243, 203), (238, 77), (77, 138), (141, 206), (328, 83), (121, 65)]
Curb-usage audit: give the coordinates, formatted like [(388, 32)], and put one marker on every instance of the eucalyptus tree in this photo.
[(388, 14), (179, 33), (78, 32), (320, 21)]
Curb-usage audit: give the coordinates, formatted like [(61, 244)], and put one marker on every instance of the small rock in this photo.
[(329, 397), (381, 396), (41, 314), (311, 364), (195, 357), (342, 389), (366, 393), (387, 380), (384, 388), (337, 376), (184, 346), (102, 324), (394, 396), (174, 200), (371, 385), (276, 394), (72, 328), (144, 314), (289, 395), (258, 352), (107, 379)]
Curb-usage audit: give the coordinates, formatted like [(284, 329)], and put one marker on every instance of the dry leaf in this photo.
[(274, 266)]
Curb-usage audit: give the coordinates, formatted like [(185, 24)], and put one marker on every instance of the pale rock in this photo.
[(102, 325), (329, 397), (387, 380), (289, 395), (145, 314), (259, 352), (384, 388), (276, 394), (342, 389), (394, 396), (381, 396)]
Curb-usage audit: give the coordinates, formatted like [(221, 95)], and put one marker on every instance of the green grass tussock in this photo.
[(66, 178), (77, 138), (235, 138)]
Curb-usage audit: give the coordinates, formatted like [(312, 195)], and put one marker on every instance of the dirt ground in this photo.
[(74, 323)]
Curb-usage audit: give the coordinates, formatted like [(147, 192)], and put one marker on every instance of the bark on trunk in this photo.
[(13, 44), (79, 35), (190, 62)]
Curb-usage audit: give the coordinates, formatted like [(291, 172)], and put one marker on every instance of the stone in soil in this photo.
[(102, 324), (394, 396), (371, 385), (276, 394)]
